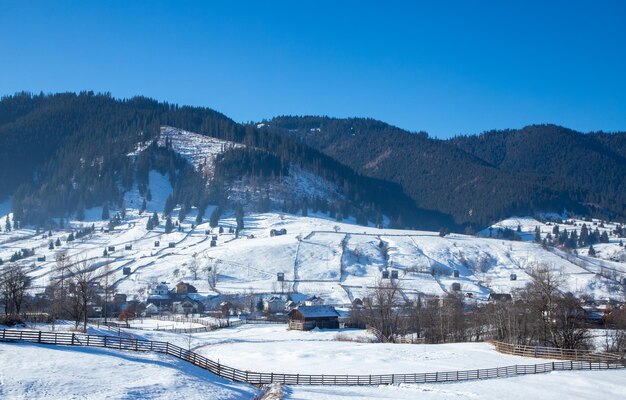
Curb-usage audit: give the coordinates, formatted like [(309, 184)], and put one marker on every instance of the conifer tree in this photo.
[(169, 226), (105, 211), (592, 251)]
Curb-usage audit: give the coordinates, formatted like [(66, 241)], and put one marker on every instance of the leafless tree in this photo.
[(194, 266), (14, 282), (615, 330), (82, 290), (383, 310)]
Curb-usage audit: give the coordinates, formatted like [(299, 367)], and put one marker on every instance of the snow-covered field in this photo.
[(273, 348), (581, 385), (41, 372), (31, 371)]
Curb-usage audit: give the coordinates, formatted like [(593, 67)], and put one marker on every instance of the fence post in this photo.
[(72, 339), (39, 338)]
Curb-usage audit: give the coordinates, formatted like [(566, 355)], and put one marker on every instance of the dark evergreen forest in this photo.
[(62, 153), (484, 178)]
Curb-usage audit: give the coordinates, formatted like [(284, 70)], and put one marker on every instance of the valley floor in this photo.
[(43, 372)]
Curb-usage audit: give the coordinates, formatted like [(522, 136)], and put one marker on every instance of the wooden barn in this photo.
[(305, 318)]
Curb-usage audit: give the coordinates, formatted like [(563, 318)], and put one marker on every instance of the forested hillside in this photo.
[(478, 179), (62, 153)]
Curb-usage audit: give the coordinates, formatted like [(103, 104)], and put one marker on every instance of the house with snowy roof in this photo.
[(305, 318)]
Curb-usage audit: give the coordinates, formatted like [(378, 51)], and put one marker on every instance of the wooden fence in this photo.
[(207, 325), (237, 375), (554, 353)]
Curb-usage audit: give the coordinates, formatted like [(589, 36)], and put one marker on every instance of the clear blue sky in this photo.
[(443, 67)]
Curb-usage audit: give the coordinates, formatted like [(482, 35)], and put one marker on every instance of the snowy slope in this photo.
[(338, 265), (199, 150), (31, 371)]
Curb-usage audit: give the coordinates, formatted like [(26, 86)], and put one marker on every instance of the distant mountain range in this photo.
[(482, 178), (62, 153)]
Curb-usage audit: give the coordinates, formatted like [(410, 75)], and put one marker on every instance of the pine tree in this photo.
[(58, 242), (169, 205), (80, 211), (215, 217), (51, 245), (7, 225), (182, 214), (592, 252), (169, 226), (537, 234), (155, 219), (239, 216), (105, 212), (604, 238), (143, 206), (150, 224)]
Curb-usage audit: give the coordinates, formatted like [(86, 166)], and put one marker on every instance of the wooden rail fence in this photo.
[(554, 353), (207, 325), (237, 375)]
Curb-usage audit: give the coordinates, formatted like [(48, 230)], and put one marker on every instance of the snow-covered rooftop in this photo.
[(318, 311)]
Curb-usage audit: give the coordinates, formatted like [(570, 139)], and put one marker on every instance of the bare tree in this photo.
[(14, 282), (108, 289), (82, 289), (383, 310), (615, 330), (193, 267), (210, 268)]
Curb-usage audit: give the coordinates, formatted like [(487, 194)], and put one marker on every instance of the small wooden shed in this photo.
[(305, 318)]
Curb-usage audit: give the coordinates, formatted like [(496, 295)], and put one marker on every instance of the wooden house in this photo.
[(495, 297), (305, 318), (185, 288)]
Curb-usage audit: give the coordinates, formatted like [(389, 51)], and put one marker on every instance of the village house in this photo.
[(182, 299), (496, 297), (185, 288), (305, 318), (273, 305)]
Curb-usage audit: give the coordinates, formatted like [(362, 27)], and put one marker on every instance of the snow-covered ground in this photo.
[(199, 150), (31, 371), (581, 385), (273, 348), (319, 256), (37, 371)]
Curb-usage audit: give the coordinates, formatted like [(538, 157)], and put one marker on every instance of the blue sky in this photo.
[(444, 67)]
